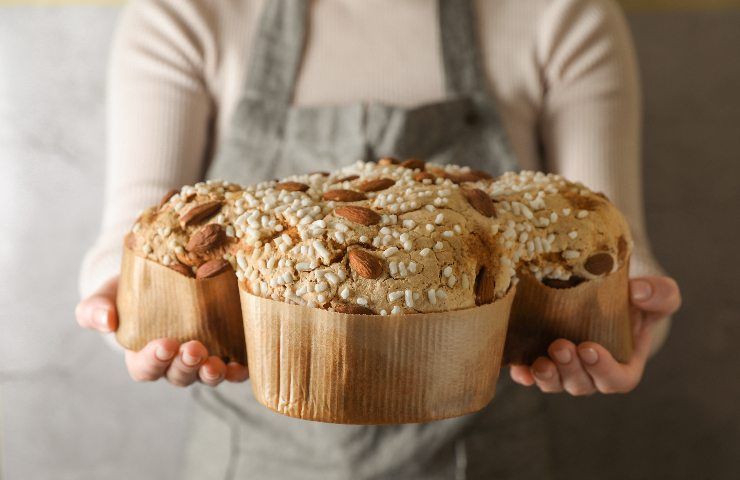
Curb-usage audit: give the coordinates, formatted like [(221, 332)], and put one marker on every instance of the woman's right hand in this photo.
[(180, 364)]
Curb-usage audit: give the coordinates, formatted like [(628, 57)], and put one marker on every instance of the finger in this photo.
[(236, 372), (98, 311), (608, 375), (643, 341), (637, 319), (659, 296), (521, 375), (151, 362), (185, 366), (546, 375), (212, 372), (573, 376)]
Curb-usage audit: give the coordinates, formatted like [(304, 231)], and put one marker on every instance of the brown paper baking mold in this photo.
[(367, 369), (157, 302), (370, 369), (595, 310)]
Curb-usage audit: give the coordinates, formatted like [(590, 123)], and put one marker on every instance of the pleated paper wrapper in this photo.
[(369, 369), (157, 302), (596, 310)]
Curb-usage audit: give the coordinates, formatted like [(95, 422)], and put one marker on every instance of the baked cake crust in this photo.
[(388, 237)]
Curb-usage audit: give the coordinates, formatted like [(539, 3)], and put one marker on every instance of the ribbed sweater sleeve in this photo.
[(158, 123), (591, 115)]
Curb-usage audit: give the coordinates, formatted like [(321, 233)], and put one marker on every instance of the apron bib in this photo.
[(234, 437)]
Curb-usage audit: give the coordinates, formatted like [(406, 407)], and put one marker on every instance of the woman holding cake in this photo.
[(248, 91)]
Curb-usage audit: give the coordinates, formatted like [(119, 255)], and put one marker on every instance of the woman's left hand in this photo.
[(589, 368)]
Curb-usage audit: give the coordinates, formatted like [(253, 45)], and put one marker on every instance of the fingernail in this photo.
[(101, 318), (589, 355), (190, 360), (641, 290), (163, 354), (562, 355), (210, 375), (542, 374)]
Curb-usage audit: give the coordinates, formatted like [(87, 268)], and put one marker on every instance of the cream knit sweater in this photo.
[(563, 72)]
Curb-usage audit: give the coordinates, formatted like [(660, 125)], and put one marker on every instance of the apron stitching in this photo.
[(233, 454), (461, 460), (235, 437)]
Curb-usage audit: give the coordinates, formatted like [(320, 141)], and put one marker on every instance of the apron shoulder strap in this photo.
[(461, 56), (277, 51)]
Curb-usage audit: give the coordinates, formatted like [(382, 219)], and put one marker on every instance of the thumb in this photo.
[(656, 296), (98, 311)]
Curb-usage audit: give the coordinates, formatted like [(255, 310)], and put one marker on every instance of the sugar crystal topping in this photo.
[(289, 239)]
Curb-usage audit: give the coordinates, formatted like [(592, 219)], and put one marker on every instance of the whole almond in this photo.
[(200, 213), (622, 248), (413, 164), (361, 215), (292, 186), (421, 176), (167, 197), (181, 269), (375, 185), (463, 177), (482, 175), (365, 263), (352, 309), (340, 195), (485, 285), (206, 239), (348, 178), (212, 268), (385, 161), (322, 173), (187, 259), (480, 201), (599, 263), (460, 176)]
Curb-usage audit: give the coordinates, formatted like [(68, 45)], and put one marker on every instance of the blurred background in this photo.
[(67, 407)]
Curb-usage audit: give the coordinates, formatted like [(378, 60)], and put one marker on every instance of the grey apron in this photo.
[(233, 437)]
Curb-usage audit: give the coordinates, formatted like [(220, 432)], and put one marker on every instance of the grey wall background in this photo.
[(68, 409)]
